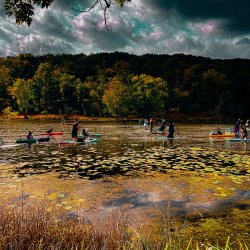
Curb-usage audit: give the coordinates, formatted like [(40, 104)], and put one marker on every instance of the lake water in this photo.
[(187, 192)]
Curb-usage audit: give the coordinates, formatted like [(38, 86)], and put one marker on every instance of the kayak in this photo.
[(9, 145), (53, 133), (90, 136), (41, 139), (71, 142), (158, 132), (238, 140), (96, 135), (163, 138), (221, 136)]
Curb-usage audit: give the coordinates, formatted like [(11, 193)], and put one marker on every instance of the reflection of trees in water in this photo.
[(73, 153), (247, 146)]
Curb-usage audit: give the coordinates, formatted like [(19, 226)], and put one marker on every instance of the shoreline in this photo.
[(177, 117)]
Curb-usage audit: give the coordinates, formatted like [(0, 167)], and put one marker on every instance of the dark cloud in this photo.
[(53, 25), (72, 7), (235, 13), (244, 41), (211, 28), (65, 4)]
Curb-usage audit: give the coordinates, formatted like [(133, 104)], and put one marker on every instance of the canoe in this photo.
[(53, 133), (71, 142), (41, 139), (238, 140), (221, 136)]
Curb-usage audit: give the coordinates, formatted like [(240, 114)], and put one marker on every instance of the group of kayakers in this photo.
[(240, 130), (160, 127), (74, 132)]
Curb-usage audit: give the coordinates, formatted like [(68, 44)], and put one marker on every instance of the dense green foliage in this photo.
[(120, 84)]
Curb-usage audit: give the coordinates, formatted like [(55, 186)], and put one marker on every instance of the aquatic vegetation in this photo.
[(155, 159)]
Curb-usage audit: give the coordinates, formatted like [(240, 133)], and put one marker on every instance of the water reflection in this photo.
[(247, 145), (187, 203)]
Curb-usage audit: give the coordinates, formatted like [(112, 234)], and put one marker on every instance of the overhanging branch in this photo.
[(104, 6)]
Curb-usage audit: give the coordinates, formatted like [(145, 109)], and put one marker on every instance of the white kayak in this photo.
[(9, 145), (238, 140), (163, 138)]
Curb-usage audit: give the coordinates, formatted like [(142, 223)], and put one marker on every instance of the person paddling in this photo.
[(85, 132), (151, 121), (247, 124), (171, 130), (30, 135), (244, 133), (219, 131), (163, 126), (49, 131), (74, 131), (237, 127)]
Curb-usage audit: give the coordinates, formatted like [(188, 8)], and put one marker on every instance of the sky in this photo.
[(210, 28)]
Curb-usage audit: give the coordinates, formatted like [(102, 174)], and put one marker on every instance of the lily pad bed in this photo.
[(156, 159)]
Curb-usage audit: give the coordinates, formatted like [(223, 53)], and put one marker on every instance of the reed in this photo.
[(35, 225)]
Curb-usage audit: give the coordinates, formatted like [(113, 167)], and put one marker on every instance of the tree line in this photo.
[(120, 85)]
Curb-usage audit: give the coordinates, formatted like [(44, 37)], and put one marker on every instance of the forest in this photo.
[(122, 85)]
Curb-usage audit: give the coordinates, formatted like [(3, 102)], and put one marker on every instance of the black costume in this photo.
[(171, 130), (74, 130)]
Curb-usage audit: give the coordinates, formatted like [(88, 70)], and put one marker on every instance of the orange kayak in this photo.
[(222, 136)]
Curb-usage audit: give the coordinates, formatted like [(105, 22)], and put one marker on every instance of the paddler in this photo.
[(171, 130), (244, 133), (30, 135), (163, 126), (219, 131), (85, 132), (237, 127), (74, 131)]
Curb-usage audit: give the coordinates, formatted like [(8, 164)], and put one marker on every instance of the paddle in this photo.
[(49, 131)]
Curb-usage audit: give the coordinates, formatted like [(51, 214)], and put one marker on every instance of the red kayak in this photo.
[(52, 133)]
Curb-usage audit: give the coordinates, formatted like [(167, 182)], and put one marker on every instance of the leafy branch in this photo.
[(105, 5), (23, 10)]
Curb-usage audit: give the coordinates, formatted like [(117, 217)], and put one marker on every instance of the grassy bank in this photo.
[(40, 225), (56, 117), (176, 116)]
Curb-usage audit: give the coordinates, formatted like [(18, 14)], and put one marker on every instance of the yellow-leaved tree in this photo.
[(150, 94), (118, 98)]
